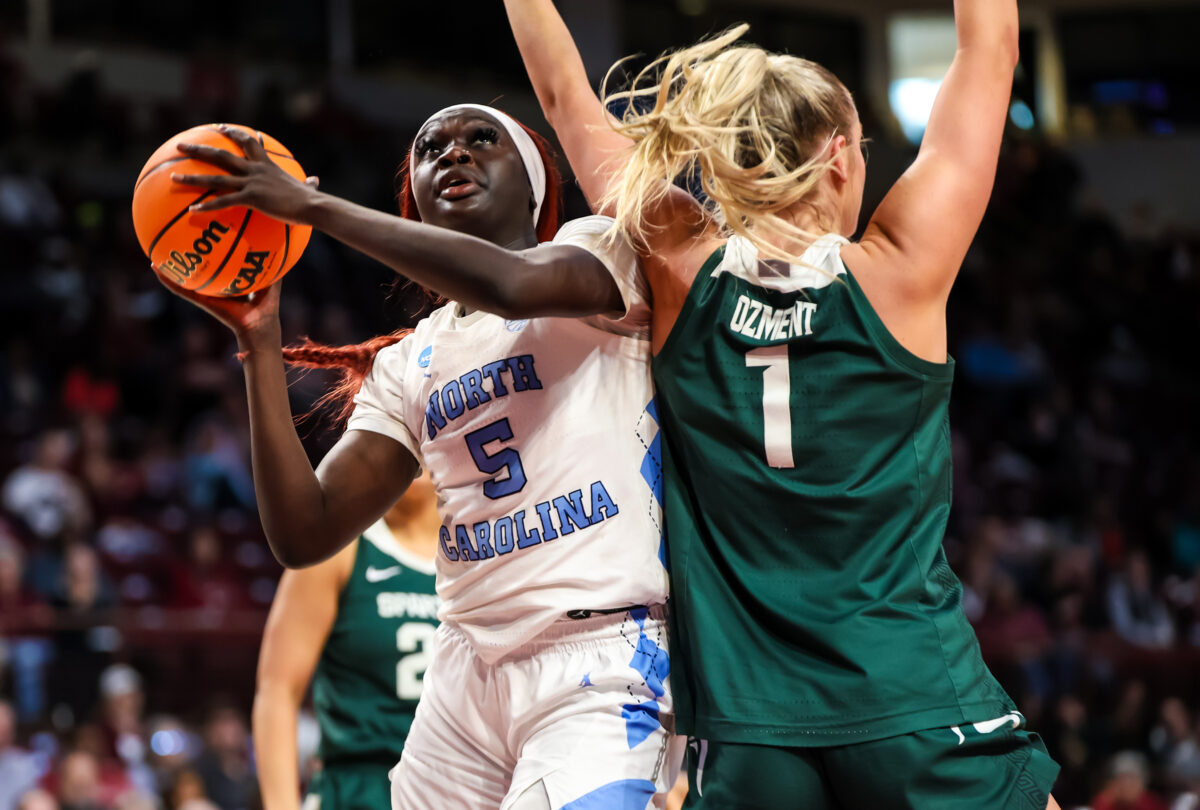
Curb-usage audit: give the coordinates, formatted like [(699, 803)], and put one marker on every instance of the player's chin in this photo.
[(461, 213)]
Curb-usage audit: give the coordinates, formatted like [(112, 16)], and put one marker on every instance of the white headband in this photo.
[(520, 138)]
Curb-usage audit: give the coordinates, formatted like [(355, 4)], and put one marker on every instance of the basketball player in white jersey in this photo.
[(548, 684)]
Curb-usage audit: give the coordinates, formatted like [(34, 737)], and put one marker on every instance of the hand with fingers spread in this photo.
[(253, 180)]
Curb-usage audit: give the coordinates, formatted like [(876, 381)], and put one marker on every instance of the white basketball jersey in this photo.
[(542, 442)]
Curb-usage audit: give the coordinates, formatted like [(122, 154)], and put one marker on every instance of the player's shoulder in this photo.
[(398, 355), (583, 229)]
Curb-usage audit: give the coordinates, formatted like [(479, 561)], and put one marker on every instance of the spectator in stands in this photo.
[(1138, 614), (206, 579), (1070, 734), (1128, 724), (19, 770), (121, 707), (1184, 598), (21, 609), (216, 470), (172, 748), (1173, 741), (1126, 788), (44, 495), (37, 799), (225, 766), (187, 787), (136, 800), (1013, 628), (82, 607), (78, 782)]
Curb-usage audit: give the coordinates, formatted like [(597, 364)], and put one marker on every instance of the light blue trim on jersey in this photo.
[(625, 794), (654, 665), (652, 468)]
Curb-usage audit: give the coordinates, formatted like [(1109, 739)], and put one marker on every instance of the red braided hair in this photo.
[(354, 362)]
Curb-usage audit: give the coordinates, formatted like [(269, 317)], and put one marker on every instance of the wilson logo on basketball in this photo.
[(255, 260), (181, 265), (230, 251)]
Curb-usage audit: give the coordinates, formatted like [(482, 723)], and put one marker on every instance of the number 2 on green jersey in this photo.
[(415, 641), (776, 403)]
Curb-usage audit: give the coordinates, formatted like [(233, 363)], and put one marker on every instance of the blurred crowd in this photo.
[(134, 579)]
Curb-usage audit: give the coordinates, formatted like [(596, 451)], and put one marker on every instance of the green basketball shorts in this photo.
[(993, 765)]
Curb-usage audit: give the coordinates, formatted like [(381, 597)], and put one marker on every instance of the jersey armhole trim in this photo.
[(341, 600), (888, 345), (379, 535)]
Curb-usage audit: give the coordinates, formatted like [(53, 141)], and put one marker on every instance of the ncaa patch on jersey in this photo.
[(515, 326), (425, 356)]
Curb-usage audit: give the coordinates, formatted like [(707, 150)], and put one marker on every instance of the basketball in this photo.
[(229, 252)]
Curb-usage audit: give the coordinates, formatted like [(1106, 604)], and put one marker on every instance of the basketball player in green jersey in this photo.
[(359, 626), (803, 383)]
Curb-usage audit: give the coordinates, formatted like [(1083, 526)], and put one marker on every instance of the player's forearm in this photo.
[(552, 61), (988, 26), (464, 268), (276, 714), (291, 504)]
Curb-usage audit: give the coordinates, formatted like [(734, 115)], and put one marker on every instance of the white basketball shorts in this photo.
[(578, 719)]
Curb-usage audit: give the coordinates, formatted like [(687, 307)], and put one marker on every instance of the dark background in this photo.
[(128, 531)]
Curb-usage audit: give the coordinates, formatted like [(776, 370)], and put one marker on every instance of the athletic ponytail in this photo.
[(754, 124)]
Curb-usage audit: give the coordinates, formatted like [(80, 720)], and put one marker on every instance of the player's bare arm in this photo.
[(307, 516), (568, 101), (916, 240), (302, 615), (596, 153)]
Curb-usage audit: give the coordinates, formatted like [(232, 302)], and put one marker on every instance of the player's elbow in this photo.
[(294, 555), (999, 46), (1006, 44), (1010, 46), (292, 558)]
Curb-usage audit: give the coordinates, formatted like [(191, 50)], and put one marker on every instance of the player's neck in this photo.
[(523, 239), (416, 530)]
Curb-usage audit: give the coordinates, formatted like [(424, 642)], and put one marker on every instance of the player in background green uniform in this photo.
[(358, 626), (824, 660)]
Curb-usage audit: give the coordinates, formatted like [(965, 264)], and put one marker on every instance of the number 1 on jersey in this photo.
[(777, 411)]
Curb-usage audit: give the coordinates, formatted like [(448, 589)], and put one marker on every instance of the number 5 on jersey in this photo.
[(506, 460), (776, 403)]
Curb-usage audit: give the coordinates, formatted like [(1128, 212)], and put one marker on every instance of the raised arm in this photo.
[(568, 101), (923, 227), (302, 615), (547, 280), (306, 515)]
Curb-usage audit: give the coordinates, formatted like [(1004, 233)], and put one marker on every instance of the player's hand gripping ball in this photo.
[(226, 252)]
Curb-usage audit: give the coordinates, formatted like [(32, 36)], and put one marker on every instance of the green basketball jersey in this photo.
[(807, 485), (369, 676)]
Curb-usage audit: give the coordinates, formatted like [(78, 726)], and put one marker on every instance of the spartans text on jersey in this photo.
[(407, 605), (557, 517)]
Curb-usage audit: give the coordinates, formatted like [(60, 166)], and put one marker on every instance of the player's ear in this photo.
[(840, 166)]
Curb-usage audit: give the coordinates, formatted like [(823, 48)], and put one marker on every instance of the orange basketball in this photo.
[(233, 251)]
